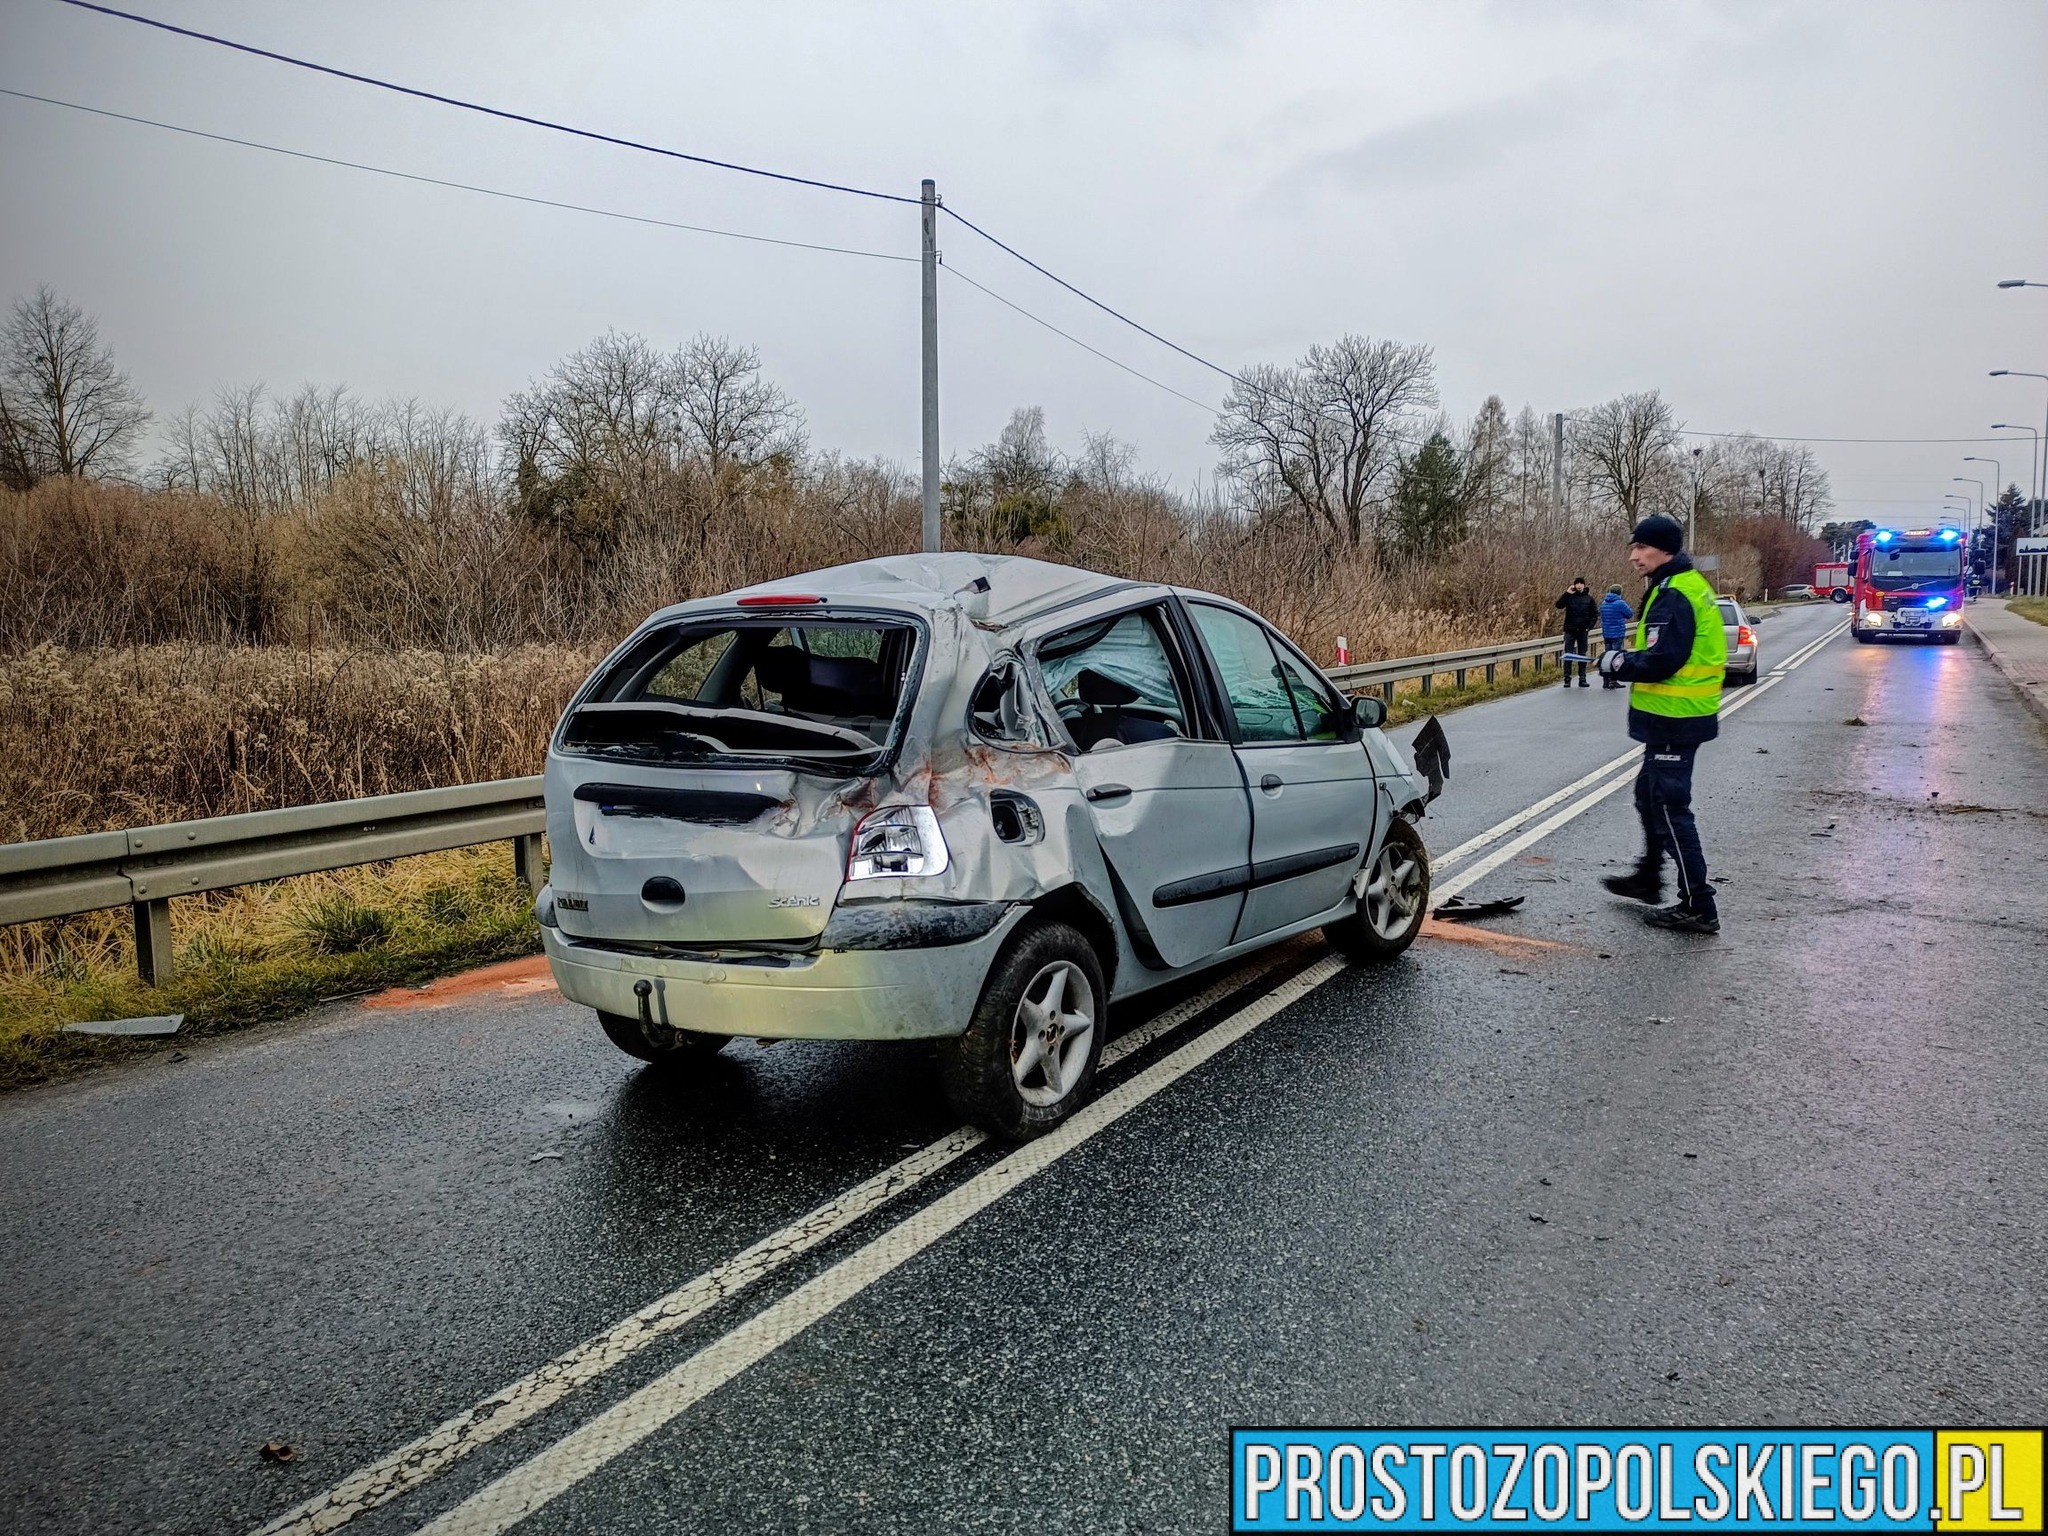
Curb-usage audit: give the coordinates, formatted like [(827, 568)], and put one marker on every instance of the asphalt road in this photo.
[(1791, 1175)]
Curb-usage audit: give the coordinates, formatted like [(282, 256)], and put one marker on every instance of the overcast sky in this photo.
[(1788, 217)]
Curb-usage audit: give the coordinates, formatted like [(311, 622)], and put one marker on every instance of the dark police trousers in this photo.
[(1580, 641), (1664, 802)]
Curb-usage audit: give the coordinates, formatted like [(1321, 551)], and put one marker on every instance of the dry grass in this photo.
[(91, 740), (256, 954), (2035, 608)]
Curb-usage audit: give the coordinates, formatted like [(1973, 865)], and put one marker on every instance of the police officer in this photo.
[(1674, 673)]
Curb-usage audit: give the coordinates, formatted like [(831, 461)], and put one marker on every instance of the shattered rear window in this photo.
[(826, 692)]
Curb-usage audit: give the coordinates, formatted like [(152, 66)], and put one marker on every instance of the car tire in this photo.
[(1028, 1058), (1862, 636), (1396, 900), (659, 1043), (1953, 637)]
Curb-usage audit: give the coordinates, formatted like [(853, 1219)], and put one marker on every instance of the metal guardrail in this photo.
[(1456, 664), (144, 867)]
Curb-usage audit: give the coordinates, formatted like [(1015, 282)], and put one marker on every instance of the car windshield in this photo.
[(826, 694), (1893, 569)]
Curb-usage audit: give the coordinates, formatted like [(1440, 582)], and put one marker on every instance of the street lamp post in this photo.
[(1978, 509), (2016, 373), (1991, 509), (2029, 563)]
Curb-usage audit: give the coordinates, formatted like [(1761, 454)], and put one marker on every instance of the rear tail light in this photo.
[(1744, 635), (779, 600), (898, 841)]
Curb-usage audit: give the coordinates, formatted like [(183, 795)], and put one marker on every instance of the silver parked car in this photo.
[(968, 798), (1742, 651)]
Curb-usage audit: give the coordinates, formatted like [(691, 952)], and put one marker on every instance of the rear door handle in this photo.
[(1271, 781), (1109, 792)]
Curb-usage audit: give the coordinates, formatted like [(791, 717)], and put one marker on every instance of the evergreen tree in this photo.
[(1429, 499)]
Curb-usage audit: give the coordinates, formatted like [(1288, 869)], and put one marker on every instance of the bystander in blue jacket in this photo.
[(1615, 614)]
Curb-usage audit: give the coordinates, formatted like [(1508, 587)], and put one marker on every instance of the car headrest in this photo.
[(1100, 692), (850, 685), (783, 668)]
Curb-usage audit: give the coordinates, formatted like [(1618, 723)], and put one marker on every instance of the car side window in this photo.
[(1114, 681), (1253, 679), (1312, 701)]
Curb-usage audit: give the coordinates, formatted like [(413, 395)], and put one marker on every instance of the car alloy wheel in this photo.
[(1393, 890), (1052, 1033)]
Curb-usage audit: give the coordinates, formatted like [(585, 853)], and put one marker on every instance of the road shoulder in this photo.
[(2017, 647)]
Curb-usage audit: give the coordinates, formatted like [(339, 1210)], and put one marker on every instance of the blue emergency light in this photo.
[(1950, 534), (1886, 537), (1938, 602)]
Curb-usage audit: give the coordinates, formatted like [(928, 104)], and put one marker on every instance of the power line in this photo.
[(1780, 437), (1206, 409), (654, 149), (459, 186), (472, 106), (1090, 298)]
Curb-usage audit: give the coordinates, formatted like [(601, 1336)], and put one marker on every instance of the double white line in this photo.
[(510, 1498), (1608, 776)]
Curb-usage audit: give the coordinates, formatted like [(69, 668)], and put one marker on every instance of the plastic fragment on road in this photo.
[(1432, 754), (1459, 910), (155, 1024), (277, 1450)]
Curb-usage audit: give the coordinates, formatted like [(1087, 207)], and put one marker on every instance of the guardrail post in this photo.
[(1489, 673), (1427, 679), (526, 861), (1515, 667), (1387, 693), (153, 941), (1461, 677)]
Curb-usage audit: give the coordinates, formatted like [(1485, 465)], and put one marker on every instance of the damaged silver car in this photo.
[(972, 799)]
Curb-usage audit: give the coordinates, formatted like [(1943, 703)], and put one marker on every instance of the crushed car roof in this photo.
[(1018, 587)]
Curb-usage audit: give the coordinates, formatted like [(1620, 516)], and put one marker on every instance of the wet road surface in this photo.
[(1792, 1175)]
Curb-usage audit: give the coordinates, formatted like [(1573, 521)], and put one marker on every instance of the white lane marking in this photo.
[(1521, 818), (502, 1504), (433, 1453), (1486, 866)]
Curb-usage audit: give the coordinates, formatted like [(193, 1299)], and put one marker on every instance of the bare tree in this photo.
[(733, 419), (1624, 446), (595, 440), (1324, 435), (65, 407), (1488, 461)]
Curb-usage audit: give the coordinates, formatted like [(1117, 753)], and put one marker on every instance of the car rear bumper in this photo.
[(867, 994), (1741, 658)]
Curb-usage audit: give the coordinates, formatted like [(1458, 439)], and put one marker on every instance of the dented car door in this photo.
[(1310, 784), (1164, 792)]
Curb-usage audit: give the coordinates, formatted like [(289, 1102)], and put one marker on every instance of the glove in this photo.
[(1610, 662)]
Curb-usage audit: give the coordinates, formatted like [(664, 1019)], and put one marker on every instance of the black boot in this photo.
[(1644, 883), (1681, 918)]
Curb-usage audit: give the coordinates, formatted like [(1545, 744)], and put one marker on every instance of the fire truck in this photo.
[(1907, 583), (1831, 577)]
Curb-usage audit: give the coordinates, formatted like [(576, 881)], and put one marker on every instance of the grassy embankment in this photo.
[(91, 740), (2035, 608)]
